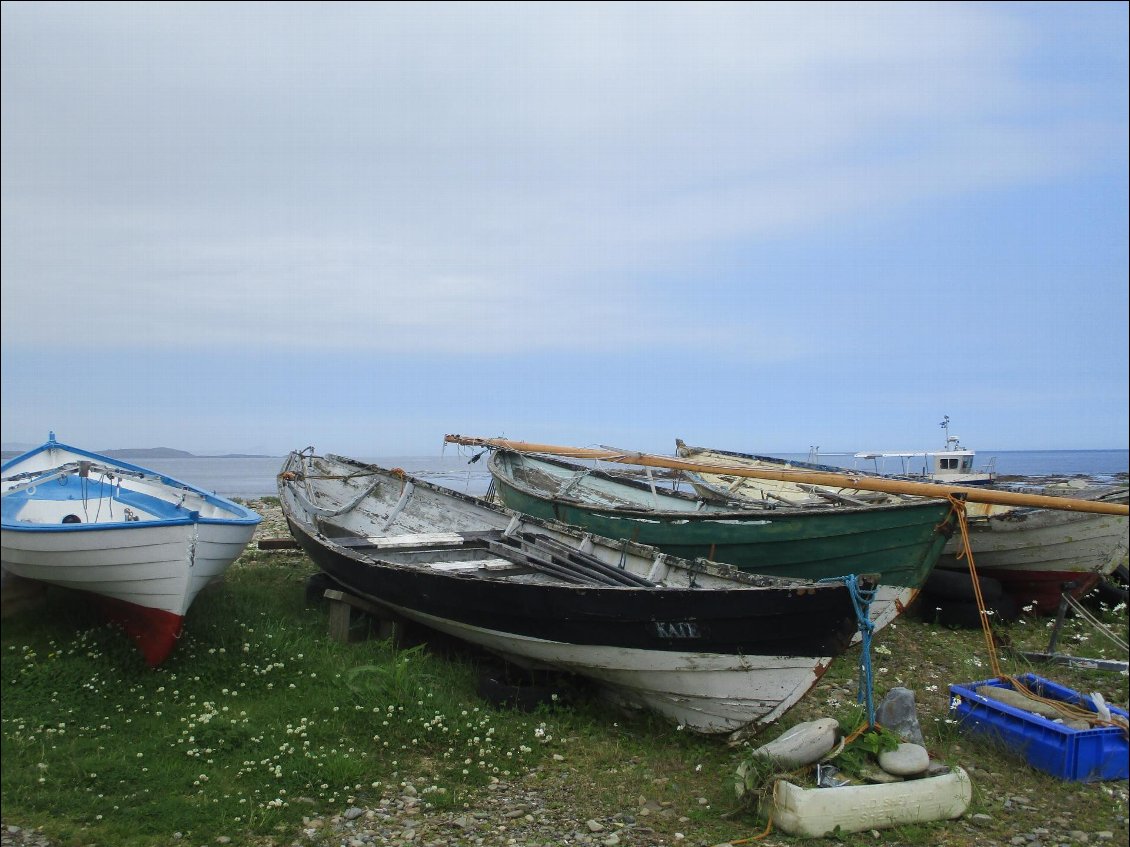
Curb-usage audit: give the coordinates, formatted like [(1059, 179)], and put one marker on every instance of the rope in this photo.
[(861, 601), (1095, 622), (958, 506), (752, 838)]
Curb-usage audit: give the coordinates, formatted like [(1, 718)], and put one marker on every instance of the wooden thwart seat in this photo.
[(417, 539)]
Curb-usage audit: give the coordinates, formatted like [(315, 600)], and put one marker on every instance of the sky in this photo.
[(757, 227)]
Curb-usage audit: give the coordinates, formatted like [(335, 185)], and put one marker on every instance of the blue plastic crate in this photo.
[(1082, 755)]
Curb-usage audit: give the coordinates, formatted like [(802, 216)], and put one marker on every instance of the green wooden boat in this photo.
[(899, 543)]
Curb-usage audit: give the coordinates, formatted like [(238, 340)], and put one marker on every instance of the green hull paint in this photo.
[(900, 543)]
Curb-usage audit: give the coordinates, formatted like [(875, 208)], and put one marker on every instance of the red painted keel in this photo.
[(155, 631)]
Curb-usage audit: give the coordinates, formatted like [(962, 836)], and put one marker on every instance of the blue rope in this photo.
[(861, 600)]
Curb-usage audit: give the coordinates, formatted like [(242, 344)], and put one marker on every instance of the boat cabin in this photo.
[(954, 464)]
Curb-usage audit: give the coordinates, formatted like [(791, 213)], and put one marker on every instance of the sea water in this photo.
[(248, 478)]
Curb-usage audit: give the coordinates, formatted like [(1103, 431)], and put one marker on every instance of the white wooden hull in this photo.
[(160, 567), (709, 693), (1037, 554), (1043, 540), (145, 543)]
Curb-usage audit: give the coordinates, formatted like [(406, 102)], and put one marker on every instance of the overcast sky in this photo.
[(759, 227)]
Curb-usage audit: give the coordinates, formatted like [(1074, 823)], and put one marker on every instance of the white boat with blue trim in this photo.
[(144, 543)]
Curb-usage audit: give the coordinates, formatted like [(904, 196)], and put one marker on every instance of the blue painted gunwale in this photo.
[(240, 515)]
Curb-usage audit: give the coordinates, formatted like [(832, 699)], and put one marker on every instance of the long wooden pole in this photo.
[(844, 480)]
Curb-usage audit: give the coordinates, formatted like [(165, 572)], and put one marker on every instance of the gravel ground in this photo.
[(532, 813)]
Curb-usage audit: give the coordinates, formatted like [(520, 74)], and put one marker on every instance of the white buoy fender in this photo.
[(801, 745), (815, 812)]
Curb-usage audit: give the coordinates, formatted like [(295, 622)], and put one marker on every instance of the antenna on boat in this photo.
[(950, 439)]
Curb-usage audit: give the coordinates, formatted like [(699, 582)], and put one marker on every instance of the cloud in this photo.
[(495, 177)]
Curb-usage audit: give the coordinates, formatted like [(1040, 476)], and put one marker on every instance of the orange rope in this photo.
[(982, 613), (862, 728), (752, 838)]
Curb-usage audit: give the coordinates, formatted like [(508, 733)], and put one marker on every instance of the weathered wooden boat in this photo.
[(706, 645), (898, 543), (724, 487), (144, 543), (1035, 552)]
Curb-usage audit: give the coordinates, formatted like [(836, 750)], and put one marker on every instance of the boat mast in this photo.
[(935, 490)]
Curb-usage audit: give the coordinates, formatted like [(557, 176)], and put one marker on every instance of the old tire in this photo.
[(958, 585)]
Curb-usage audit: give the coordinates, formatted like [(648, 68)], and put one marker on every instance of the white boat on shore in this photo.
[(1035, 553), (144, 543)]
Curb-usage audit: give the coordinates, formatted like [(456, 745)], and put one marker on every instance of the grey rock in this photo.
[(899, 713), (907, 760), (937, 768)]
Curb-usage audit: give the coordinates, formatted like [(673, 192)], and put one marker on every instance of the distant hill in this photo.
[(170, 453), (153, 453), (147, 453)]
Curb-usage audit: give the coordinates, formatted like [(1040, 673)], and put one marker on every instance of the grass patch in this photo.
[(258, 721)]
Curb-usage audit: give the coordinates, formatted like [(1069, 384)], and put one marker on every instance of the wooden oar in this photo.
[(558, 570), (844, 480), (624, 577)]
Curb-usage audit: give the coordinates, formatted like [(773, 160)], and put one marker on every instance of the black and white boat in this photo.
[(706, 645)]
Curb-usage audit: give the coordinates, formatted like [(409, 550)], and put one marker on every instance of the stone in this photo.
[(878, 775), (937, 768), (899, 713), (353, 813), (907, 760)]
